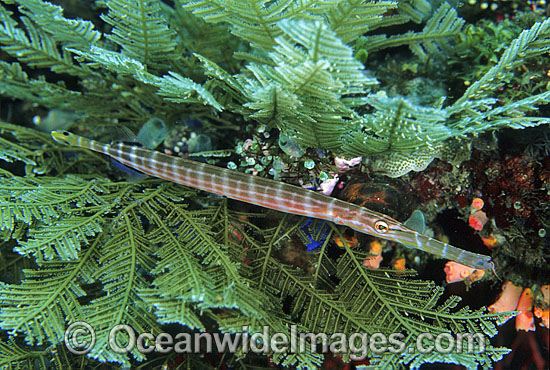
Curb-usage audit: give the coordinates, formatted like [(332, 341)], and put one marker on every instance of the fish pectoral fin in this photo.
[(416, 222)]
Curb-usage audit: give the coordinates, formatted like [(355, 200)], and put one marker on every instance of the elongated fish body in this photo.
[(274, 195)]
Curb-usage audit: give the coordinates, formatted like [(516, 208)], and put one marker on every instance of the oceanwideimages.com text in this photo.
[(80, 338)]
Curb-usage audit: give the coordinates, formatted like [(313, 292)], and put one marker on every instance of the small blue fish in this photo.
[(314, 233)]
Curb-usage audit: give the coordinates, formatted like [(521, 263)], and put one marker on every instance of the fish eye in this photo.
[(381, 226)]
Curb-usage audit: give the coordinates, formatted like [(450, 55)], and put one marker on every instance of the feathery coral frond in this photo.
[(432, 41), (36, 48), (141, 31)]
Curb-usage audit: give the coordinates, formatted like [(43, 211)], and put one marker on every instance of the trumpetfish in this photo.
[(275, 195)]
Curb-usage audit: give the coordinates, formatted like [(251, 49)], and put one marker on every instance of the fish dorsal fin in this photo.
[(126, 136), (416, 222)]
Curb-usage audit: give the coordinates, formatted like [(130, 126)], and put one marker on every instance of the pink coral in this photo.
[(525, 320), (344, 165), (351, 241), (490, 241), (508, 300), (515, 298), (477, 204), (544, 315), (477, 220), (373, 262), (457, 272), (399, 264), (328, 185), (540, 312)]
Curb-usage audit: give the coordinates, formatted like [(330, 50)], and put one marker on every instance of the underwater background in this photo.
[(434, 109)]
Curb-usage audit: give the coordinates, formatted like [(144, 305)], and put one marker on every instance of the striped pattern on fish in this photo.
[(274, 195)]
